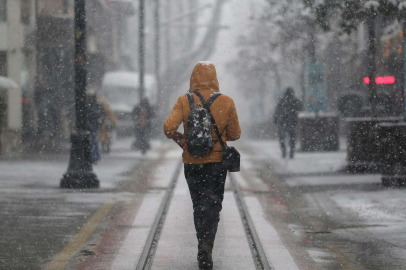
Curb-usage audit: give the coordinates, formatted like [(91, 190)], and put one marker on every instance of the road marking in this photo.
[(277, 254), (62, 259), (241, 181), (133, 245)]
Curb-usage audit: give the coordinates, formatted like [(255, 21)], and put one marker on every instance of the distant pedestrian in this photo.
[(286, 117), (95, 117), (142, 116), (109, 123), (48, 113), (206, 174), (42, 100), (3, 115)]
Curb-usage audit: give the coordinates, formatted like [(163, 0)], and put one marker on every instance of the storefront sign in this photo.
[(316, 87)]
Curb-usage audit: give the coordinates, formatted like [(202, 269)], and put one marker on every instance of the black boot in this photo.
[(204, 256)]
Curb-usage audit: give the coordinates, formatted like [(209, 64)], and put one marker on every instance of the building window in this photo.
[(3, 10), (25, 11)]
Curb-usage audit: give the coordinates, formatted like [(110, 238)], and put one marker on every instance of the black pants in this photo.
[(291, 132), (206, 185)]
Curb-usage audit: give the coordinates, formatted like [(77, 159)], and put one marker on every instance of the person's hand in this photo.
[(178, 138)]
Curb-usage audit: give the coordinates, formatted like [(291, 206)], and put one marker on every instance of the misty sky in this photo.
[(236, 15)]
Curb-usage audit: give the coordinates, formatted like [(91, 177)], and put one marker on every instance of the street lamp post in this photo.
[(157, 50), (141, 48), (372, 63), (80, 171)]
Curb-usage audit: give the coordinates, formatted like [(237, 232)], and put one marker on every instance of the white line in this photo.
[(277, 254), (334, 180), (240, 180), (133, 245), (163, 174)]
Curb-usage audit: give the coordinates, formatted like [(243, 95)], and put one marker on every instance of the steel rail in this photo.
[(148, 253), (257, 251)]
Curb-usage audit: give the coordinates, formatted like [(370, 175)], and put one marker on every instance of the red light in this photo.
[(381, 80), (25, 100)]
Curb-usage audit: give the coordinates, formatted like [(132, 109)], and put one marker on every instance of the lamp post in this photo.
[(372, 63), (141, 48), (80, 171), (157, 50)]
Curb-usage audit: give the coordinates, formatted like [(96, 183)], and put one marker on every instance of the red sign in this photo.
[(381, 80)]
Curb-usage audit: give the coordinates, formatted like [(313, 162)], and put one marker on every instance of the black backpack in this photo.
[(199, 138)]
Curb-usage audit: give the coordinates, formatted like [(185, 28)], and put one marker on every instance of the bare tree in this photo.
[(186, 52)]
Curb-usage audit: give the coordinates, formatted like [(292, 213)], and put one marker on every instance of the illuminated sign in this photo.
[(381, 80)]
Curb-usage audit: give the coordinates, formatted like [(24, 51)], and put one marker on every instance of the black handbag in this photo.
[(231, 157)]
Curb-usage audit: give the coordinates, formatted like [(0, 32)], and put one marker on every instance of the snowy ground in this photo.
[(353, 221), (35, 214), (308, 213)]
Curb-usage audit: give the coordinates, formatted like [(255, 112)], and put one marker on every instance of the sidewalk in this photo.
[(118, 240), (38, 219)]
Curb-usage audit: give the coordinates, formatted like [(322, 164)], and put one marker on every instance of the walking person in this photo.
[(108, 125), (95, 117), (205, 174), (286, 117), (142, 116), (3, 115)]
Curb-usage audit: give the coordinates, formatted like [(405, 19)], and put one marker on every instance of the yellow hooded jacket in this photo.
[(204, 80)]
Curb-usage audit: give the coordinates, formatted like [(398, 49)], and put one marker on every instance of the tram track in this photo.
[(148, 253), (257, 251), (147, 257)]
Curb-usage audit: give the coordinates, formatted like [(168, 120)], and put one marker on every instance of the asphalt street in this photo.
[(330, 219), (308, 213)]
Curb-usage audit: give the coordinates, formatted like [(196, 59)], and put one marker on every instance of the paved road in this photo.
[(326, 217), (307, 213), (38, 219)]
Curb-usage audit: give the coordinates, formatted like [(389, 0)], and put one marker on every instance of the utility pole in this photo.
[(157, 50), (141, 48), (312, 43), (80, 171), (168, 52), (372, 63), (403, 109)]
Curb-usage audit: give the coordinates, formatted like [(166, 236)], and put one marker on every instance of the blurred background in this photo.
[(259, 47)]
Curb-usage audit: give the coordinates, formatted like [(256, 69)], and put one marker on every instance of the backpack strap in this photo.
[(207, 106), (192, 104), (210, 101), (216, 129), (200, 97)]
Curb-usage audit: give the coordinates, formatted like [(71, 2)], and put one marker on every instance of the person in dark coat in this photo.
[(142, 116), (206, 175), (95, 117), (286, 117), (42, 96)]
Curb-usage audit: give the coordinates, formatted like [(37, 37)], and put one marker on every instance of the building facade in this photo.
[(55, 50), (11, 65)]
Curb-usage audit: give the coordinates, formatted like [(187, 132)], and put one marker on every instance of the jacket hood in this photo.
[(204, 77)]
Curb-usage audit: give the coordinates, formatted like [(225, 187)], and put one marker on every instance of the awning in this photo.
[(8, 83)]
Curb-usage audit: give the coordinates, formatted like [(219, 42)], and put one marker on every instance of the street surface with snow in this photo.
[(308, 213)]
